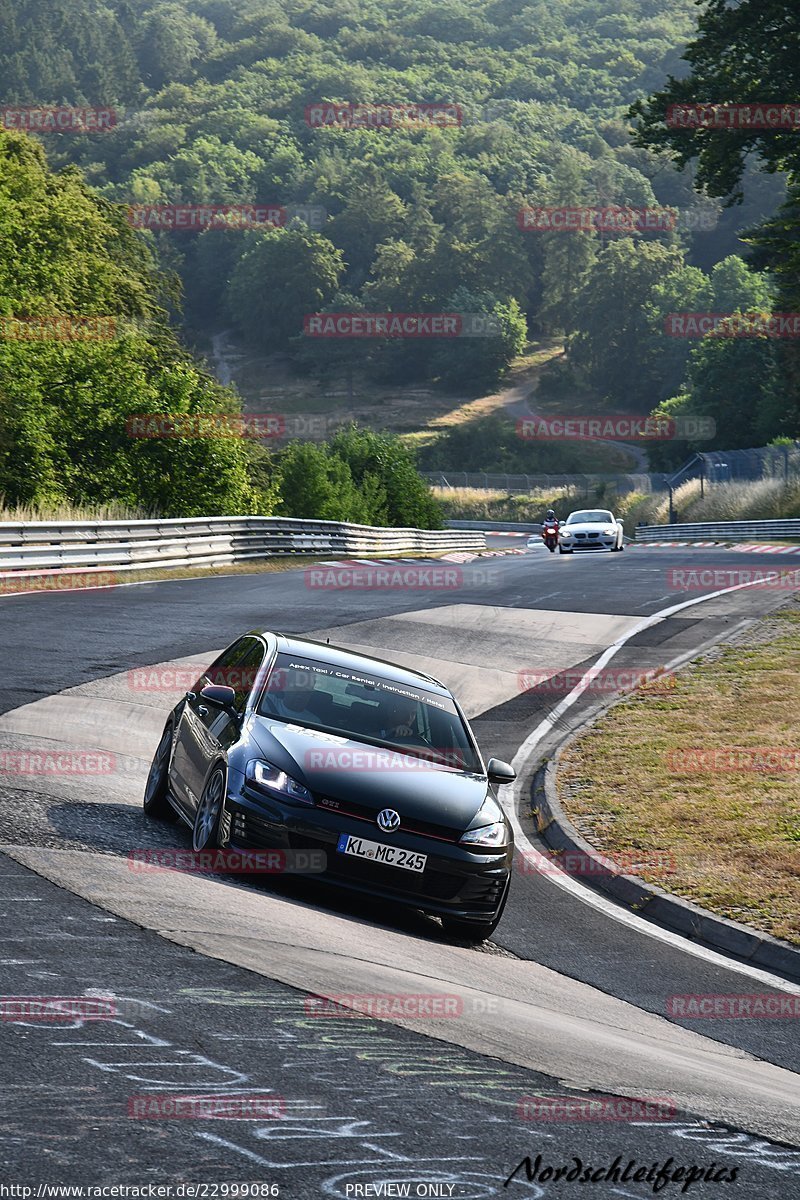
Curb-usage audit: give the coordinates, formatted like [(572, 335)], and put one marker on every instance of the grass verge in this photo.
[(705, 780)]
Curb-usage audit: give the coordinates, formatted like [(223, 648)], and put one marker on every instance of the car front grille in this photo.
[(360, 812), (482, 890)]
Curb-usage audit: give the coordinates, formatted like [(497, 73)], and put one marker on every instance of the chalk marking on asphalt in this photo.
[(560, 877)]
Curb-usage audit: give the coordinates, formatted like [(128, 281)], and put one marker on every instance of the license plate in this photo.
[(388, 856)]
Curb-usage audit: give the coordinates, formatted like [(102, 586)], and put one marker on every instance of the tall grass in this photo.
[(763, 500), (477, 504), (72, 512)]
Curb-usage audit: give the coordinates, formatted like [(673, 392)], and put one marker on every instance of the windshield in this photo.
[(367, 708), (595, 516)]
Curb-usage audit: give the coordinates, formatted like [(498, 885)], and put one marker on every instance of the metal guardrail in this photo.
[(39, 547), (500, 526), (721, 531)]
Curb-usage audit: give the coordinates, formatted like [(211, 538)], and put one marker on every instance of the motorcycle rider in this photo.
[(550, 527)]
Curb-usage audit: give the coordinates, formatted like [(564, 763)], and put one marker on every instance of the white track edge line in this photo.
[(579, 891)]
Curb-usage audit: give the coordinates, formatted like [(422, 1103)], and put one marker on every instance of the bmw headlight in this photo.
[(491, 828), (565, 533), (609, 532), (269, 778)]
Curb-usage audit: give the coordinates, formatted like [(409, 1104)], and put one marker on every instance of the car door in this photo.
[(195, 733)]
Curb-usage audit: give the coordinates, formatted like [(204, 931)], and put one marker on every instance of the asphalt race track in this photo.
[(213, 978)]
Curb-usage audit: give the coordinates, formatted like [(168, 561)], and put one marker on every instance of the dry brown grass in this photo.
[(477, 504), (71, 512), (731, 836), (417, 411)]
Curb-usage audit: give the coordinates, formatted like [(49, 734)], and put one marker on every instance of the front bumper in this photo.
[(589, 542), (456, 881)]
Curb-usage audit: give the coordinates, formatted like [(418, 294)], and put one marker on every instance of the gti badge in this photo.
[(389, 820)]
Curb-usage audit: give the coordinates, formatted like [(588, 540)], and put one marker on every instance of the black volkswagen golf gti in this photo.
[(291, 745)]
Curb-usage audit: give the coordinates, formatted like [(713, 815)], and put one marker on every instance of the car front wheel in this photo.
[(206, 820), (156, 792)]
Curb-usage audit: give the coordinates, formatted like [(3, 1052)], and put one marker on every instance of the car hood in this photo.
[(588, 527), (370, 776)]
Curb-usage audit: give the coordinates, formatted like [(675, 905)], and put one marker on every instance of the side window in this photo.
[(243, 674), (220, 671), (237, 667)]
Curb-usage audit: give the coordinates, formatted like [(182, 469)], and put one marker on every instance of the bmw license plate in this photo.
[(389, 856)]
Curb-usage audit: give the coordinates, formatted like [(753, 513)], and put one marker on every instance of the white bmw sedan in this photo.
[(590, 529)]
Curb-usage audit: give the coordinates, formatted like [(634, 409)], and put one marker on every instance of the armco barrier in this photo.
[(500, 526), (38, 547), (720, 531)]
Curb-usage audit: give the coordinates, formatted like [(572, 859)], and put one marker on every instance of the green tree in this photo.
[(479, 363), (65, 403), (744, 53), (318, 486), (621, 345), (385, 470), (733, 382), (568, 257), (282, 276)]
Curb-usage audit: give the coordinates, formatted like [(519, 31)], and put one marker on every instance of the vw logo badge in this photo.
[(389, 820)]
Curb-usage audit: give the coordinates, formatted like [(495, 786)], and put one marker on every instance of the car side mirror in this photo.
[(499, 771), (220, 696)]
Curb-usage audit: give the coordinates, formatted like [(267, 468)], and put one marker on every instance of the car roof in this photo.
[(338, 656)]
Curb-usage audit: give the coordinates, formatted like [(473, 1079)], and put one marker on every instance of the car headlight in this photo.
[(609, 532), (271, 779), (491, 830), (565, 533)]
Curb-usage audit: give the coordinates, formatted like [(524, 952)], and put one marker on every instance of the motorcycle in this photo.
[(550, 535)]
